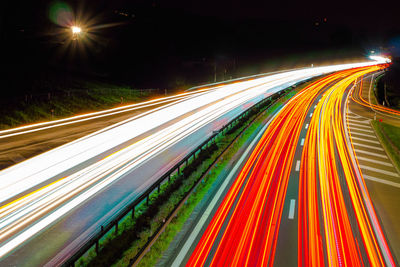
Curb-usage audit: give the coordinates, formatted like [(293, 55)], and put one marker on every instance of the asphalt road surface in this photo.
[(53, 202), (298, 195)]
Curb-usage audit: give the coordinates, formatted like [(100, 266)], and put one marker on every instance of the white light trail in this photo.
[(121, 149)]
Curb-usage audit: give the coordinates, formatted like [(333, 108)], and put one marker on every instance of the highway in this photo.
[(53, 202), (21, 143), (299, 196)]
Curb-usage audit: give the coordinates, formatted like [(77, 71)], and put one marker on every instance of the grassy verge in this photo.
[(62, 103), (390, 137), (134, 232), (162, 243)]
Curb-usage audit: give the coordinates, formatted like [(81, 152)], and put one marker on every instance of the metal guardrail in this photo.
[(94, 240)]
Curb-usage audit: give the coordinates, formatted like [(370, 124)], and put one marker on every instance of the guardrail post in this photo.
[(147, 200), (116, 228), (133, 213), (158, 189)]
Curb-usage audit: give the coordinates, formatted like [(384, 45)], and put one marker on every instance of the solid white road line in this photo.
[(375, 161), (297, 165), (382, 181), (371, 153), (367, 146), (378, 170), (365, 140), (291, 209), (185, 248)]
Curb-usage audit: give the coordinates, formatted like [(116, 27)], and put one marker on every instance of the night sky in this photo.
[(164, 43)]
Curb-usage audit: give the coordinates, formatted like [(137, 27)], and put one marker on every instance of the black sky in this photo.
[(165, 37)]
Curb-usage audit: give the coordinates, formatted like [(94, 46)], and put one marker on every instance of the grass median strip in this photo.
[(389, 136)]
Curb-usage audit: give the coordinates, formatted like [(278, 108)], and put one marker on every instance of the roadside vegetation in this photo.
[(390, 137), (388, 86), (118, 249), (63, 102), (239, 134)]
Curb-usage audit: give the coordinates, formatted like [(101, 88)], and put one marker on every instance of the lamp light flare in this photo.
[(76, 29)]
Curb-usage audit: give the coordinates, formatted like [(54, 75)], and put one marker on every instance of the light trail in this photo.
[(31, 128), (323, 184), (337, 226), (37, 192), (366, 103), (251, 233)]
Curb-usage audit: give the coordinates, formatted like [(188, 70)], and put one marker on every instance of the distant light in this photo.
[(380, 59), (76, 29)]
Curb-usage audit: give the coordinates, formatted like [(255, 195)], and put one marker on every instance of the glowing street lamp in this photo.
[(76, 31)]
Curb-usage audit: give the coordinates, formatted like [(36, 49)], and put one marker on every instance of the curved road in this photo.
[(299, 198), (52, 203)]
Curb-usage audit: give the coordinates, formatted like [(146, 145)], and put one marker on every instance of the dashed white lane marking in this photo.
[(297, 165), (379, 170), (382, 181), (311, 115), (306, 126), (375, 161), (371, 153), (302, 142), (367, 146), (315, 106), (365, 140), (291, 208)]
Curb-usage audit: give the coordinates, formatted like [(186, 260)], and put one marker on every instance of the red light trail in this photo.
[(244, 230)]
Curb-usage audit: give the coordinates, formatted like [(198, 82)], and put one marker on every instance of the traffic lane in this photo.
[(72, 150), (81, 222), (17, 148), (23, 189), (366, 111), (288, 234)]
